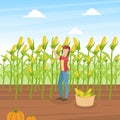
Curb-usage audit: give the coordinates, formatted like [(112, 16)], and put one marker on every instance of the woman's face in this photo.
[(65, 52)]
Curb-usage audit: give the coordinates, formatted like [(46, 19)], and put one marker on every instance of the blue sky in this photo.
[(76, 18)]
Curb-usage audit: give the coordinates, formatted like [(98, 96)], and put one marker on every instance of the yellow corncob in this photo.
[(44, 40), (87, 95), (30, 70), (39, 48), (46, 68), (24, 48), (76, 91), (73, 49), (103, 42), (89, 90), (97, 48), (76, 74), (114, 42), (78, 57), (30, 42), (13, 57), (89, 72), (81, 93), (91, 41), (117, 58), (88, 59), (55, 41), (66, 42), (59, 48), (20, 41), (75, 41), (32, 58), (45, 57), (13, 48), (52, 61)]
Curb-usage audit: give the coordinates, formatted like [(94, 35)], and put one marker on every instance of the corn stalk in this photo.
[(112, 47)]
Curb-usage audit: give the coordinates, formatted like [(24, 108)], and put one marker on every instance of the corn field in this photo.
[(25, 64)]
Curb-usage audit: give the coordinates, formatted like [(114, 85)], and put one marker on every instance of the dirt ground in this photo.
[(46, 109)]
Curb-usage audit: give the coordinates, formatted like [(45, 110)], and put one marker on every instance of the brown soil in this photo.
[(46, 109)]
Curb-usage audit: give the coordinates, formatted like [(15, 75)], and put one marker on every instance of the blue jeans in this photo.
[(64, 76)]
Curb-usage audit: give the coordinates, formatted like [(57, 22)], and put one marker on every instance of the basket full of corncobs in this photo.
[(84, 99)]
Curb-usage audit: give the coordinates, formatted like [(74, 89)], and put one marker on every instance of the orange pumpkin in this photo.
[(31, 117), (15, 115)]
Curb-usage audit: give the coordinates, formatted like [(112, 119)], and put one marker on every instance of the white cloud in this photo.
[(35, 14), (75, 31), (92, 11)]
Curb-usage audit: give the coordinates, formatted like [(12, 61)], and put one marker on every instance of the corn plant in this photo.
[(70, 63), (11, 52), (102, 45), (66, 41), (95, 52), (18, 47), (73, 71), (84, 62), (39, 69), (37, 63), (23, 52), (54, 44), (89, 47), (112, 47), (77, 46), (44, 46), (58, 51), (31, 58), (116, 60), (105, 60), (4, 74)]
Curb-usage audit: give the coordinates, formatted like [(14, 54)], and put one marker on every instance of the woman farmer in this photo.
[(64, 76)]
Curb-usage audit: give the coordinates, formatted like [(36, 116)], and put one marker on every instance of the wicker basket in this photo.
[(85, 101)]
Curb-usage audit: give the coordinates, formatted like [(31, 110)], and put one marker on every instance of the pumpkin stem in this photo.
[(15, 110)]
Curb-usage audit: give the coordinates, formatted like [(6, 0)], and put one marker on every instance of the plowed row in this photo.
[(46, 109)]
